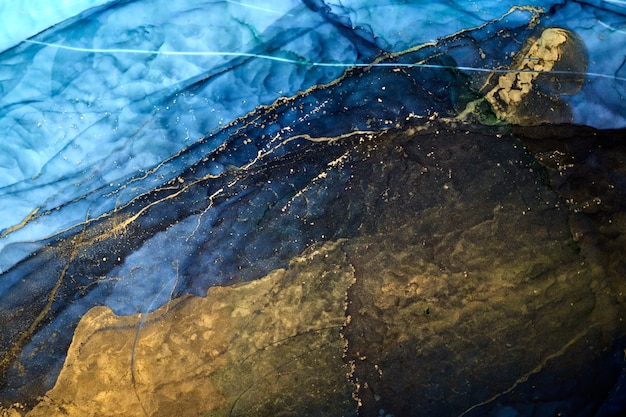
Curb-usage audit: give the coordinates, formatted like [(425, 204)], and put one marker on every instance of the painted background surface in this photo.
[(152, 150)]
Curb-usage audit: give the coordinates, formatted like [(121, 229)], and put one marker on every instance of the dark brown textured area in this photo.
[(458, 306), (483, 280)]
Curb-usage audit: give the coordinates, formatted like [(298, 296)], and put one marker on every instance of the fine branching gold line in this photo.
[(256, 114), (13, 352), (21, 224), (123, 225), (262, 154)]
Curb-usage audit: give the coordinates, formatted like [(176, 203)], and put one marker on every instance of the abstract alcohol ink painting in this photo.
[(313, 208)]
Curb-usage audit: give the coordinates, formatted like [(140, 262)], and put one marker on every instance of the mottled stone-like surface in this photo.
[(470, 291), (264, 348)]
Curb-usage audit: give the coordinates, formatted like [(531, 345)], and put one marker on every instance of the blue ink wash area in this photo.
[(313, 208)]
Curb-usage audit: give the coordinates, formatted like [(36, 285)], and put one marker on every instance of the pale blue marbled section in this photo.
[(78, 122), (23, 19)]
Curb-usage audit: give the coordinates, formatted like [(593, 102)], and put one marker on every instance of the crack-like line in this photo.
[(13, 352), (133, 378), (524, 378)]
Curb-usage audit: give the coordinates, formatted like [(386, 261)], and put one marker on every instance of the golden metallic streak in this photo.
[(23, 223), (284, 100), (534, 21), (320, 176), (123, 225), (119, 228), (13, 352), (211, 197), (261, 154)]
